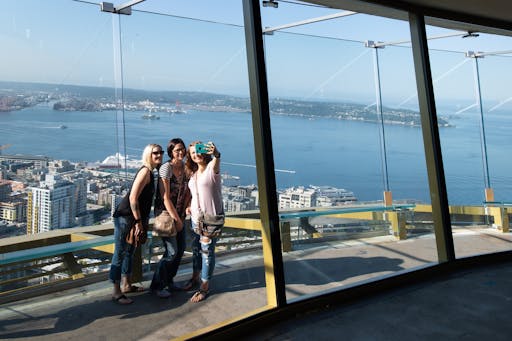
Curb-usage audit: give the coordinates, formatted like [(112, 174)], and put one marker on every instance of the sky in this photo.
[(198, 45)]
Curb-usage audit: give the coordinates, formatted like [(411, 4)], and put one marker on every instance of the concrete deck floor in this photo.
[(471, 305)]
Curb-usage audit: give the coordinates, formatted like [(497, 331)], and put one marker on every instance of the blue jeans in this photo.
[(182, 243), (122, 259), (162, 276), (203, 256)]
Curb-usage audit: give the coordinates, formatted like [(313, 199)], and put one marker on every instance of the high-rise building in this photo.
[(80, 195), (5, 190), (51, 206)]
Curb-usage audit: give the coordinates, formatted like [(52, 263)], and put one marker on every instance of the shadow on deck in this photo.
[(238, 288)]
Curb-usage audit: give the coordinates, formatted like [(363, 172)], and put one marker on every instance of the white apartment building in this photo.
[(297, 197), (314, 196), (51, 206)]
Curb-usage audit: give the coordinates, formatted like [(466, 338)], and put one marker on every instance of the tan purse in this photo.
[(164, 225)]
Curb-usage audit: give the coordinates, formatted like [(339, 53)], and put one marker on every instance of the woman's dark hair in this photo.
[(173, 143)]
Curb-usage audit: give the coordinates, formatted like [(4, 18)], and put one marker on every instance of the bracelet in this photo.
[(217, 156), (137, 221)]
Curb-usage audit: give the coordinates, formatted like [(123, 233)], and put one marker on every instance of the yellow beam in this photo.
[(268, 265), (243, 223), (78, 236)]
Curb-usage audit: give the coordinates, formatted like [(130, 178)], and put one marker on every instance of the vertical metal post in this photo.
[(378, 96), (269, 215), (483, 142), (388, 201), (431, 141)]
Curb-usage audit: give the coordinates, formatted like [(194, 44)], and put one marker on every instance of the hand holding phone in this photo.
[(201, 148)]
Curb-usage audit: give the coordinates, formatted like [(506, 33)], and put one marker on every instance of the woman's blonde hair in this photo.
[(147, 157)]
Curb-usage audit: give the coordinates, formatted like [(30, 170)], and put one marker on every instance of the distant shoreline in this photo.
[(82, 98)]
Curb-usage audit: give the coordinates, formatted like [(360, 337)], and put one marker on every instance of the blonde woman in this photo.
[(134, 208)]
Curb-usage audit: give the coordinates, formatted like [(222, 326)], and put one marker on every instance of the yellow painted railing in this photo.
[(27, 262)]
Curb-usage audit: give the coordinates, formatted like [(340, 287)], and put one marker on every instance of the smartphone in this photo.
[(201, 148)]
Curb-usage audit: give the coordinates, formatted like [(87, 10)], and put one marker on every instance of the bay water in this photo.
[(307, 151)]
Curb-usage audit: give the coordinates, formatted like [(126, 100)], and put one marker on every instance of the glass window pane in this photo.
[(55, 83), (472, 88), (185, 84), (333, 154)]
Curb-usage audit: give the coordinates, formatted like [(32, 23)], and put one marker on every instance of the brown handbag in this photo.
[(134, 239), (164, 225)]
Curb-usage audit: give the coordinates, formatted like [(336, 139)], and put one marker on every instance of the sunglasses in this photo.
[(161, 152)]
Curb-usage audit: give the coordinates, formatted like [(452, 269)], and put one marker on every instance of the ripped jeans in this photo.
[(203, 255)]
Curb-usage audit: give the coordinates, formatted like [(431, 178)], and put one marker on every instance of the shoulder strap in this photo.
[(197, 193)]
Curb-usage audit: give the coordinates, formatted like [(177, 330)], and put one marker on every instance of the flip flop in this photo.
[(122, 300), (133, 288), (199, 295)]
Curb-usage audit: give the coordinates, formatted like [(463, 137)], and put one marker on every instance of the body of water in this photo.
[(344, 154)]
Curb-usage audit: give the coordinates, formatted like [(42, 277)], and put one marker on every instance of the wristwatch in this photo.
[(217, 156)]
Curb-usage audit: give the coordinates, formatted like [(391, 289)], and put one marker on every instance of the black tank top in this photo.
[(145, 200)]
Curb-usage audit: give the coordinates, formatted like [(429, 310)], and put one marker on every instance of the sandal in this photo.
[(133, 288), (190, 284), (199, 295), (122, 300)]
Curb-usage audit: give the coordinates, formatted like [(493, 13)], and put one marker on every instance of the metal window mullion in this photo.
[(269, 215), (380, 117), (483, 142), (431, 140)]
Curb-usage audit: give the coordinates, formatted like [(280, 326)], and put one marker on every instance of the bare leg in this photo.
[(191, 283), (118, 296), (126, 283), (127, 286)]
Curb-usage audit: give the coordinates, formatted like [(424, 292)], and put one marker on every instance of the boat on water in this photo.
[(62, 126), (150, 117), (177, 111)]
